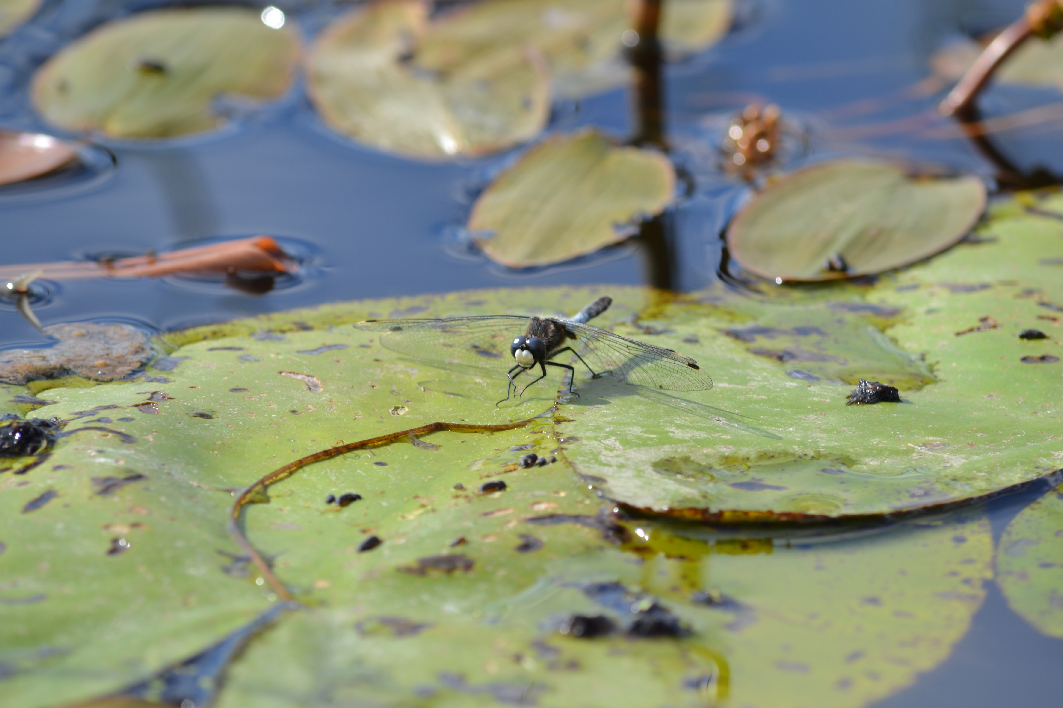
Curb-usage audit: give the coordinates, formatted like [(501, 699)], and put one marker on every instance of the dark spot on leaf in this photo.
[(755, 485), (381, 464), (957, 288), (106, 485), (313, 383), (439, 565), (1032, 334), (156, 379), (168, 363), (126, 420), (390, 626), (528, 460), (248, 358), (201, 414), (330, 499), (802, 375), (237, 390), (225, 349), (3, 547), (348, 498), (237, 567), (321, 349), (38, 502), (985, 324), (587, 626), (519, 694), (1051, 306), (159, 397), (528, 544), (570, 439), (611, 531), (371, 543), (871, 392), (656, 621), (31, 600), (31, 401), (459, 541), (1043, 359), (104, 419), (460, 487), (118, 546), (149, 408), (714, 598), (831, 470), (494, 486), (267, 336)]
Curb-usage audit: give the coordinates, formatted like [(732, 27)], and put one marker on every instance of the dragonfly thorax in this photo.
[(528, 350)]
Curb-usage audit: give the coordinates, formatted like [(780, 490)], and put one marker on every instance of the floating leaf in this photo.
[(1036, 62), (156, 74), (569, 196), (1030, 563), (952, 439), (259, 254), (845, 219), (14, 12), (368, 81), (580, 39), (27, 155)]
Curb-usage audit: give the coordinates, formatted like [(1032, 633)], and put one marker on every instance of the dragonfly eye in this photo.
[(518, 343), (537, 347)]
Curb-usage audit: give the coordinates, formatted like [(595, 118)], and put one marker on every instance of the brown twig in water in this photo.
[(1043, 18), (253, 493)]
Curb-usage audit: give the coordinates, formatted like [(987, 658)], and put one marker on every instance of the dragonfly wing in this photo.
[(481, 342), (636, 362)]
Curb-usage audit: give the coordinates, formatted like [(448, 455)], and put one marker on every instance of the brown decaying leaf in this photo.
[(259, 254), (27, 155)]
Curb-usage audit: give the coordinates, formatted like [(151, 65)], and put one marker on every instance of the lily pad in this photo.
[(951, 440), (14, 12), (27, 155), (1030, 563), (580, 39), (845, 219), (157, 74), (1036, 63), (368, 80), (567, 197)]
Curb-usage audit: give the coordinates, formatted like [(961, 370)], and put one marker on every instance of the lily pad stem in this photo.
[(1043, 19)]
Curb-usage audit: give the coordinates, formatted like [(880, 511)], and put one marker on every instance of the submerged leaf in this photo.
[(846, 219), (156, 74), (1030, 563), (569, 196), (368, 78), (27, 155)]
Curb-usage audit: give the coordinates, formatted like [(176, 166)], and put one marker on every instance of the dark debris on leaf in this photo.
[(1032, 334), (348, 498), (439, 565), (369, 544), (656, 621), (495, 486), (38, 502), (587, 626), (871, 392), (22, 438), (528, 544), (1043, 359), (118, 546)]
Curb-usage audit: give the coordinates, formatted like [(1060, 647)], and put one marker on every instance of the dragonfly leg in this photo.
[(542, 365), (571, 371), (512, 385), (570, 349)]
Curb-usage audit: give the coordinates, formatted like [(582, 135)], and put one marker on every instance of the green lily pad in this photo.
[(845, 219), (1029, 567), (1036, 63), (766, 626), (580, 39), (368, 80), (567, 197), (156, 74), (14, 12), (950, 440)]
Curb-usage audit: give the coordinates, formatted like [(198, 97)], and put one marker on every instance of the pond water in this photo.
[(368, 224)]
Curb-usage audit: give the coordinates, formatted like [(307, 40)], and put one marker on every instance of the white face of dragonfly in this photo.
[(525, 358)]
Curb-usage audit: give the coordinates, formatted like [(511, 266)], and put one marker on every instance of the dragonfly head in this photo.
[(528, 350)]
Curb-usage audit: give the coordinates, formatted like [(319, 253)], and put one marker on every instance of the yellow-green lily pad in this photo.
[(1030, 563), (567, 197), (156, 74), (368, 80), (846, 219), (14, 12)]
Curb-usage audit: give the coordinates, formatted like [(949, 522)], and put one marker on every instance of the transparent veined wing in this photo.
[(481, 341), (636, 362)]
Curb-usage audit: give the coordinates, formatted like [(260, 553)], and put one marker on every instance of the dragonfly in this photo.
[(527, 343)]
